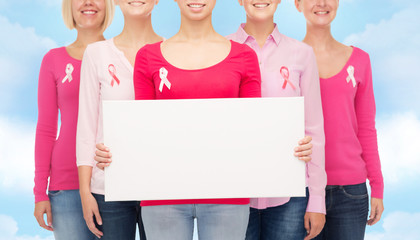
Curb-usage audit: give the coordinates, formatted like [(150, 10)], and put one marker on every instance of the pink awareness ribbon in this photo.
[(112, 71), (284, 71), (69, 71)]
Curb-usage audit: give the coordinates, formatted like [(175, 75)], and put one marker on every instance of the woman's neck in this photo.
[(260, 30), (86, 37), (136, 33), (320, 38), (196, 31)]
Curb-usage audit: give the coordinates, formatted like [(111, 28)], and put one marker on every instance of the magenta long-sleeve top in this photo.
[(238, 75), (351, 149), (58, 92)]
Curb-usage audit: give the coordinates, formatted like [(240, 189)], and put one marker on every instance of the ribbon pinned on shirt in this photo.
[(163, 74), (284, 71), (69, 71), (350, 71), (112, 71)]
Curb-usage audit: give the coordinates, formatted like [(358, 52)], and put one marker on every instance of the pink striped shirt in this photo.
[(283, 57)]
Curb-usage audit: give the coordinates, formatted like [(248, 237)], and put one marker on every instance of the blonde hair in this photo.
[(69, 19)]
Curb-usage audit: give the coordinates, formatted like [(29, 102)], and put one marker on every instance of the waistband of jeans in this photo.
[(329, 187)]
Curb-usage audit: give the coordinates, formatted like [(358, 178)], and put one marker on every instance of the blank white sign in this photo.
[(203, 148)]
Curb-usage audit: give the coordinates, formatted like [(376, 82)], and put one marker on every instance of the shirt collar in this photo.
[(242, 36), (276, 35)]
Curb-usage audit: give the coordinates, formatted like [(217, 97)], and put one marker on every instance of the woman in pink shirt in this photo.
[(288, 69), (351, 151), (107, 74), (58, 91)]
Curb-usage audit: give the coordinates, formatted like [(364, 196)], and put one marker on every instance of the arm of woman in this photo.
[(87, 125), (314, 126), (144, 87), (46, 134), (365, 114), (89, 204), (251, 75)]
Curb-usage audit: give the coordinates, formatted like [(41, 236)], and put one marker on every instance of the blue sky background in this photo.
[(389, 30)]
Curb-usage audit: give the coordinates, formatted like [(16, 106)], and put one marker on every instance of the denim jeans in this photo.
[(140, 224), (214, 221), (347, 212), (67, 216), (284, 222), (119, 219)]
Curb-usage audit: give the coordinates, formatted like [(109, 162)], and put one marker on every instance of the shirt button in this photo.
[(260, 62)]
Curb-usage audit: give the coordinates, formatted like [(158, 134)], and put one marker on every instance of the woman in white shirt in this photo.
[(107, 74)]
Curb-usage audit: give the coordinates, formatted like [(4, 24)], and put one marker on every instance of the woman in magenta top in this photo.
[(196, 63), (58, 91), (351, 151)]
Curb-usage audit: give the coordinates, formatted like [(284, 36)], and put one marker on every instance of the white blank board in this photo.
[(203, 148)]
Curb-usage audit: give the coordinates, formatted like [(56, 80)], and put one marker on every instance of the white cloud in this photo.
[(398, 225), (394, 46), (16, 155), (9, 229), (22, 40), (398, 148), (20, 60)]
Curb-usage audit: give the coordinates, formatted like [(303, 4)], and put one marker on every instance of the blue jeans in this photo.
[(119, 219), (284, 222), (140, 224), (347, 212), (214, 221), (67, 215)]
